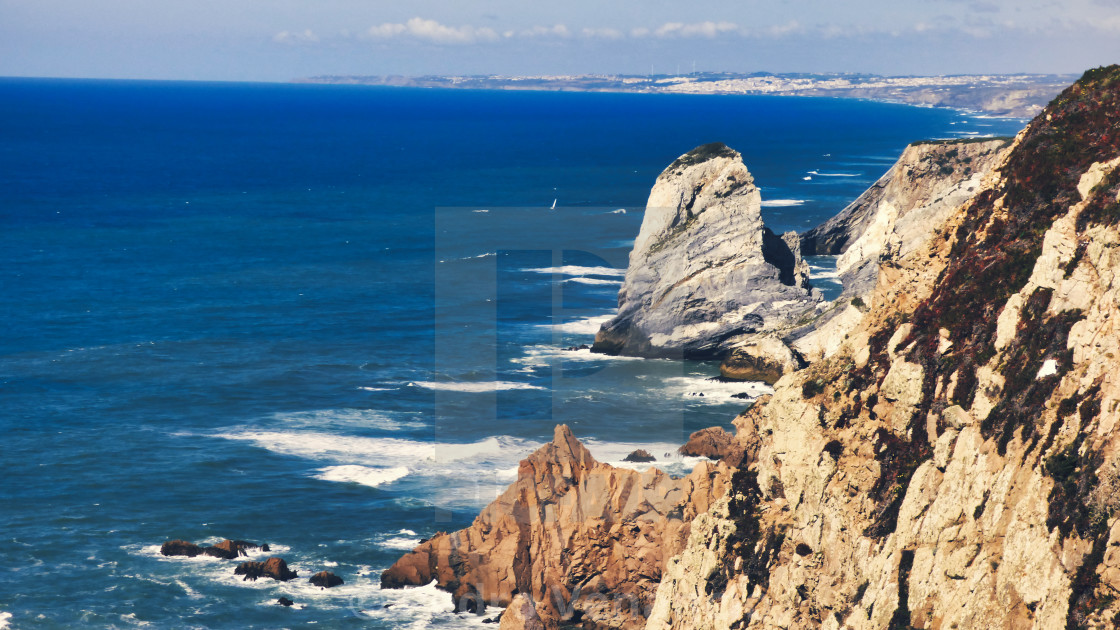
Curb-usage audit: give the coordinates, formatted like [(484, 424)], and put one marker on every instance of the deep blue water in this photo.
[(279, 313)]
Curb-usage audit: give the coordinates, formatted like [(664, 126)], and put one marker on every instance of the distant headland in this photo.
[(1014, 95)]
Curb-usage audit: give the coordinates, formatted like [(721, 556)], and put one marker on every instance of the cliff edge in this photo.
[(955, 463)]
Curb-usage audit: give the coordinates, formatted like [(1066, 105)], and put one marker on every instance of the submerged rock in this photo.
[(704, 268), (577, 537), (274, 568), (640, 456), (284, 601), (229, 549), (325, 579), (180, 548)]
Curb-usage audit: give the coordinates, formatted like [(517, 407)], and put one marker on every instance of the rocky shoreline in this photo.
[(939, 449)]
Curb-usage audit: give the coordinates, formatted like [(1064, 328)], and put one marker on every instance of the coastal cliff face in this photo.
[(704, 269), (887, 223), (580, 540), (954, 463)]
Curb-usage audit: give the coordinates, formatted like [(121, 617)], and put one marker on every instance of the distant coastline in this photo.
[(1010, 95)]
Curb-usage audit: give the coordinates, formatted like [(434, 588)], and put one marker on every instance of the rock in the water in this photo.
[(521, 614), (284, 601), (704, 268), (180, 548), (325, 579), (760, 358), (229, 549), (640, 456), (576, 536), (714, 443), (274, 568)]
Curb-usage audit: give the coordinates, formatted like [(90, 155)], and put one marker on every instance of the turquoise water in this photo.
[(279, 313)]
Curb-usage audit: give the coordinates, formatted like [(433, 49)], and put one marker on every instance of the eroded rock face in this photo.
[(704, 268), (956, 461), (576, 536), (180, 548), (715, 443)]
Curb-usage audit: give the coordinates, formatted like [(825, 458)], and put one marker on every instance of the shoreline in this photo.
[(1002, 96)]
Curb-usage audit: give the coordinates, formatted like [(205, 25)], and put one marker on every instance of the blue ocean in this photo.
[(334, 318)]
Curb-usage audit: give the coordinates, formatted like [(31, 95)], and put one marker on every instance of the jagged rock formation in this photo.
[(580, 538), (955, 462), (704, 269)]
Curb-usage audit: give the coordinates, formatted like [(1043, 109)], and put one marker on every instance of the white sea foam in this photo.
[(585, 326), (349, 449), (364, 475), (480, 210), (704, 389), (782, 203), (365, 418), (474, 387), (619, 211), (819, 174), (5, 620), (399, 543), (376, 389), (596, 281), (540, 356), (576, 270)]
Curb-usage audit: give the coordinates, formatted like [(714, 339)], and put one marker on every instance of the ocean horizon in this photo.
[(334, 318)]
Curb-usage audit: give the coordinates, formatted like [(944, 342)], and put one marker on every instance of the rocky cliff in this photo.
[(583, 541), (704, 269), (888, 222), (954, 462)]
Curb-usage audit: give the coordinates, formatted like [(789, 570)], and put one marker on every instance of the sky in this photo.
[(279, 40)]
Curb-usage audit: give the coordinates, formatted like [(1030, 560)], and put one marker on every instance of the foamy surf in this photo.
[(575, 270), (363, 451), (819, 174), (475, 387), (363, 475), (585, 326), (542, 356), (594, 281), (712, 391), (362, 418), (782, 203)]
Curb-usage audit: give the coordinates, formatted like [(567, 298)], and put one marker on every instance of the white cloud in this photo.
[(602, 33), (697, 29), (433, 31), (287, 37), (558, 30)]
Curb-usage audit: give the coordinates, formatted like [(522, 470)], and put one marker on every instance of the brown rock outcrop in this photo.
[(325, 579), (274, 568), (578, 537), (229, 549), (521, 614), (714, 443)]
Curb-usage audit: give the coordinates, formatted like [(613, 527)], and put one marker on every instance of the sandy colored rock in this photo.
[(521, 614), (575, 535), (762, 358)]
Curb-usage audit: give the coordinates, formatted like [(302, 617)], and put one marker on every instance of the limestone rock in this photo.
[(580, 538), (521, 614), (704, 268)]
